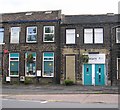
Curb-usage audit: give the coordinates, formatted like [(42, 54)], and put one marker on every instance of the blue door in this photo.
[(87, 74), (99, 74)]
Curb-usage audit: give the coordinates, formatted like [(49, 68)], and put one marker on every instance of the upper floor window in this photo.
[(15, 34), (117, 35), (98, 35), (1, 35), (93, 36), (49, 34), (31, 34), (88, 36), (70, 36)]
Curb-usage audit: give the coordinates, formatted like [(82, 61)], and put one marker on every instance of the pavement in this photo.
[(61, 93), (58, 89)]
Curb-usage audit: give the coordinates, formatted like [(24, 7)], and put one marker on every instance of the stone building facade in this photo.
[(34, 34), (49, 47), (89, 36)]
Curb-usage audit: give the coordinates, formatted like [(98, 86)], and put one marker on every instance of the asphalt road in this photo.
[(13, 103)]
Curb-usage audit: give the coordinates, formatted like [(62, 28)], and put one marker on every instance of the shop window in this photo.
[(70, 36), (30, 64), (49, 34), (15, 34), (31, 34), (14, 64), (48, 64)]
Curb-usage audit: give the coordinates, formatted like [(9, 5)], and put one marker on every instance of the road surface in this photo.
[(13, 103)]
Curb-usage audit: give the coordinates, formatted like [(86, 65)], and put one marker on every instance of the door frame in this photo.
[(117, 68), (66, 65)]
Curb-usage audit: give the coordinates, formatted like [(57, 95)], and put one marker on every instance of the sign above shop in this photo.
[(96, 58)]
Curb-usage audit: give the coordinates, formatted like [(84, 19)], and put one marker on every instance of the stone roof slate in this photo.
[(81, 19)]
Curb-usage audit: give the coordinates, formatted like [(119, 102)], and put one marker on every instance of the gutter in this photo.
[(30, 21)]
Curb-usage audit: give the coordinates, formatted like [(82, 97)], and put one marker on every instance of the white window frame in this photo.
[(70, 33), (9, 65), (43, 65), (117, 31), (90, 33), (53, 33), (2, 31), (98, 34), (26, 65), (15, 35), (117, 68), (31, 34)]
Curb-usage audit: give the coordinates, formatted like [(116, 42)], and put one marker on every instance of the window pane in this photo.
[(0, 63), (15, 34), (48, 54), (98, 33), (70, 36), (88, 36), (14, 55), (33, 53), (48, 62), (48, 68), (49, 29), (31, 38), (13, 65), (31, 65), (31, 34), (31, 68), (32, 30), (49, 34), (49, 37), (117, 35), (1, 35)]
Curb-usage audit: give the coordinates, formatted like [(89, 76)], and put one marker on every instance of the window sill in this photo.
[(48, 41), (48, 76), (70, 43), (2, 43), (13, 75), (31, 42), (30, 75), (93, 43)]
